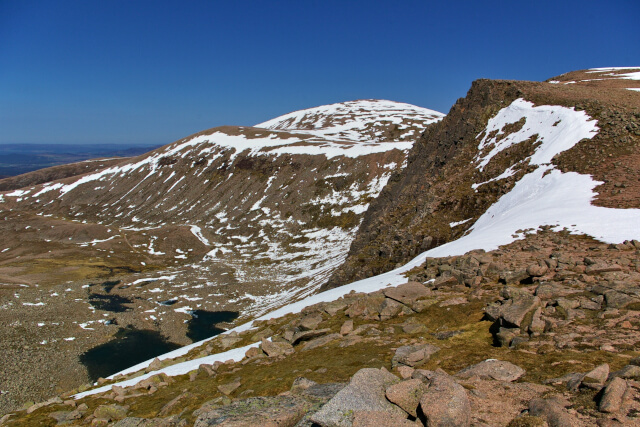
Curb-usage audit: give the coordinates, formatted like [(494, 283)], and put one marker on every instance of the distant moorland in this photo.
[(16, 159)]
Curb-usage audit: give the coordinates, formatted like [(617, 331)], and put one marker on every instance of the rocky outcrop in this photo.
[(413, 355), (495, 369), (413, 212), (445, 403), (277, 411), (365, 392), (553, 412)]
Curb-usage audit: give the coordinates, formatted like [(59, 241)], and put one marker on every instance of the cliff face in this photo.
[(445, 187)]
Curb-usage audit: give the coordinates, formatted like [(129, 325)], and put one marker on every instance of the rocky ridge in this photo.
[(437, 198)]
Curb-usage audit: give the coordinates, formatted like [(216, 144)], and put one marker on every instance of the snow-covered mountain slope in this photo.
[(243, 219), (358, 121)]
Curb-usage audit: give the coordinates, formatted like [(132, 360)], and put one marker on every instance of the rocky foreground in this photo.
[(543, 331)]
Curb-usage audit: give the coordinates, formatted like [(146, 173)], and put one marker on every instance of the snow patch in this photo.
[(557, 129), (197, 231)]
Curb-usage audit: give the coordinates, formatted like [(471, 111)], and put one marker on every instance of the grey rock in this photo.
[(365, 392), (319, 342), (495, 369), (408, 293), (445, 403), (407, 394), (308, 335), (612, 397), (273, 349), (553, 412), (597, 377), (273, 411), (413, 355), (628, 372)]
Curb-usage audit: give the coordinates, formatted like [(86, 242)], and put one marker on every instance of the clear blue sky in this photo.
[(151, 72)]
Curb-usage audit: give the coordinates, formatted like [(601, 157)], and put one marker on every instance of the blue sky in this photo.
[(151, 72)]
